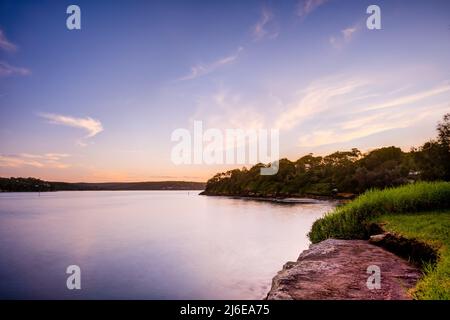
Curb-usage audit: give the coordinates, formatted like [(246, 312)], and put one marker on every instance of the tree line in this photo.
[(342, 173), (37, 185)]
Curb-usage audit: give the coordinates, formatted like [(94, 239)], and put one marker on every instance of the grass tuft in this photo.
[(351, 221)]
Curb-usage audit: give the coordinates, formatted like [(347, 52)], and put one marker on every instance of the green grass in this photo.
[(419, 211), (352, 221), (432, 228)]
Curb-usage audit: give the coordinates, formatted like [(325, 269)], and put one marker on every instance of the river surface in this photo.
[(147, 244)]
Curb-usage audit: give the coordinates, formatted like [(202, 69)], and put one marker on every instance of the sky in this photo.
[(100, 103)]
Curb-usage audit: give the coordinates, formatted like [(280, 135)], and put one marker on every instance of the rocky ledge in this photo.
[(337, 269)]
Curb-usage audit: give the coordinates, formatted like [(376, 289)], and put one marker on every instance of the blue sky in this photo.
[(100, 103)]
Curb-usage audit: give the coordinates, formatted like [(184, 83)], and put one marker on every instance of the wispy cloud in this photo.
[(343, 38), (204, 69), (5, 68), (225, 109), (348, 33), (88, 124), (9, 70), (334, 111), (410, 98), (364, 126), (5, 44), (314, 99), (260, 30), (48, 160), (340, 109), (305, 7)]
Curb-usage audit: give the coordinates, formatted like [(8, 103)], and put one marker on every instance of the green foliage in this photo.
[(351, 221), (347, 172), (432, 160), (24, 184), (432, 228), (443, 129)]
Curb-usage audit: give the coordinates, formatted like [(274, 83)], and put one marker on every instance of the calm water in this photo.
[(147, 244)]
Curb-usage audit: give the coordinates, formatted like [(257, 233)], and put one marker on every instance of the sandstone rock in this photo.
[(377, 238), (337, 269)]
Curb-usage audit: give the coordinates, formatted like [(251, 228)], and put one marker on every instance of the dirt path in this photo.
[(337, 269)]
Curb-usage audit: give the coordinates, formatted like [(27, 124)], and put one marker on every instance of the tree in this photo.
[(344, 171), (432, 159), (443, 129)]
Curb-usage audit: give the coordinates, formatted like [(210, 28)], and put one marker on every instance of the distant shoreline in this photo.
[(37, 185)]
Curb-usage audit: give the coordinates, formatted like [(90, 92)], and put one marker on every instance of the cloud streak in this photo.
[(344, 38), (226, 110), (48, 160), (315, 98), (260, 29), (6, 69), (5, 44), (305, 7), (200, 70), (352, 129), (9, 70), (338, 110), (92, 126), (410, 98)]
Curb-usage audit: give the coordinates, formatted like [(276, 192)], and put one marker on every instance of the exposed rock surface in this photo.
[(337, 269)]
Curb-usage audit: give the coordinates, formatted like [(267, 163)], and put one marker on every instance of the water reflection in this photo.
[(147, 244)]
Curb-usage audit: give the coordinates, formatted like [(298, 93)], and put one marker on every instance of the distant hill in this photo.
[(32, 184)]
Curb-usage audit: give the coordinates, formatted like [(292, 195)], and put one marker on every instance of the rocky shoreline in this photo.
[(306, 199), (338, 269)]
